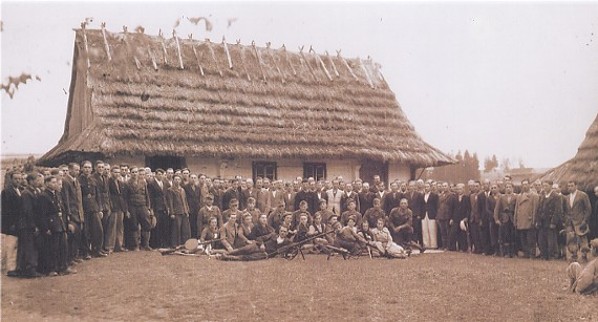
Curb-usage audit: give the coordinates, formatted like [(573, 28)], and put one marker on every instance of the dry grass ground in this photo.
[(146, 286)]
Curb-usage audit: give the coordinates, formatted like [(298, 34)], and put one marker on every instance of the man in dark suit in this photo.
[(27, 256), (550, 210), (157, 187), (92, 208), (102, 182), (11, 213), (193, 194), (53, 229), (232, 193), (415, 200), (503, 216), (577, 221), (446, 201), (114, 240), (366, 198), (289, 197), (491, 201), (430, 209), (71, 189), (350, 194), (459, 219), (484, 217), (475, 218), (392, 199)]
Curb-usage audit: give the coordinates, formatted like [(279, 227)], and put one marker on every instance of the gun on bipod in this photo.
[(190, 245), (290, 251)]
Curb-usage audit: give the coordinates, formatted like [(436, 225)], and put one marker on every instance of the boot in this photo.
[(145, 236)]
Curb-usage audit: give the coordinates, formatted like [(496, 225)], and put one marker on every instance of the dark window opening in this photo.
[(165, 161), (315, 170), (263, 169)]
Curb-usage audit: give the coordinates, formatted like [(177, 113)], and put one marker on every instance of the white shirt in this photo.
[(572, 198)]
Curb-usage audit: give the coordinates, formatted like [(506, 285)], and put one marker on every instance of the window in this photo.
[(264, 170), (316, 170), (165, 162)]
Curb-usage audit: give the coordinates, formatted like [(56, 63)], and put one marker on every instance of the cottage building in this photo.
[(583, 167), (232, 109)]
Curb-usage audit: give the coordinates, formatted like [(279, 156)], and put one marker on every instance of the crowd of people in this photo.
[(53, 219)]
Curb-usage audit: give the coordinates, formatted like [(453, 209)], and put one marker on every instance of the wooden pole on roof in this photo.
[(152, 57), (241, 51), (338, 52), (197, 57), (332, 63), (259, 60), (178, 48), (106, 47), (268, 44), (286, 57), (214, 57), (230, 61), (83, 25), (307, 63), (312, 50), (164, 52), (367, 75)]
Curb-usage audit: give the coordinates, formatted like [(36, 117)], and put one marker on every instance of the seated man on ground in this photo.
[(262, 231), (400, 222), (211, 233), (348, 238), (384, 244), (584, 281)]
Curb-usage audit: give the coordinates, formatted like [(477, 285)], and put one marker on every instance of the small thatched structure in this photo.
[(583, 168), (156, 101)]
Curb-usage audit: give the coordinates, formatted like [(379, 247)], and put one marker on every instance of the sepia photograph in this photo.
[(299, 160)]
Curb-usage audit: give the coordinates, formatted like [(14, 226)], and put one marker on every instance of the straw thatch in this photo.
[(583, 168), (137, 94)]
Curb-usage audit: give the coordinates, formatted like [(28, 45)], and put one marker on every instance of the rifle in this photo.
[(292, 250)]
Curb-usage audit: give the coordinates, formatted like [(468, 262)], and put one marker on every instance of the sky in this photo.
[(515, 79)]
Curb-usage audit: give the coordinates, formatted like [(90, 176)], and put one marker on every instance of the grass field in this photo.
[(145, 286)]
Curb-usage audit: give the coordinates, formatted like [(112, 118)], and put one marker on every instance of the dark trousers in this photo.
[(74, 242), (444, 232), (527, 240), (95, 231), (506, 233), (53, 255), (27, 254), (457, 238), (140, 216), (193, 213), (180, 230), (476, 238), (486, 248), (161, 233), (494, 240), (547, 242)]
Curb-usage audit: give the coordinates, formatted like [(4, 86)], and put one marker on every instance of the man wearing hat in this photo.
[(584, 281), (206, 212), (157, 189), (578, 210)]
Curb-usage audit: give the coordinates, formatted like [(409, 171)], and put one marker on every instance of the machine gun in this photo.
[(291, 251)]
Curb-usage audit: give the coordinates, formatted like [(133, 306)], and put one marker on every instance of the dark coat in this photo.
[(416, 203), (193, 194), (30, 209), (431, 206), (391, 200), (11, 211), (117, 197), (157, 196), (550, 211), (91, 194), (462, 208), (51, 212), (102, 182), (71, 188), (446, 206), (350, 196), (504, 210)]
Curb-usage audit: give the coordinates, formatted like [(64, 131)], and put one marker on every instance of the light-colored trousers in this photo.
[(9, 252), (429, 232)]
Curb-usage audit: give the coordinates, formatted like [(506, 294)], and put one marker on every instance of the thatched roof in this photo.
[(583, 168), (137, 94)]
